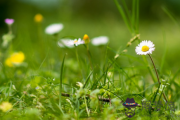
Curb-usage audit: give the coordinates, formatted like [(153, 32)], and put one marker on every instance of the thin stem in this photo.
[(157, 76), (10, 29), (60, 85), (148, 66), (154, 68), (89, 56), (79, 61)]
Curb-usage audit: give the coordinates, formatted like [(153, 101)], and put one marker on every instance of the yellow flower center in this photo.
[(75, 41), (145, 48)]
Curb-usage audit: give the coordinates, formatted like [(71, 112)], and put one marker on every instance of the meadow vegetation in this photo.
[(73, 67)]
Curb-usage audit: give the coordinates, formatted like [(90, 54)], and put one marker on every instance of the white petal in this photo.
[(54, 28), (101, 40)]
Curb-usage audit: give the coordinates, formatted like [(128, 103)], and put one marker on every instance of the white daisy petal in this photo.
[(145, 47), (65, 43), (101, 40), (54, 28)]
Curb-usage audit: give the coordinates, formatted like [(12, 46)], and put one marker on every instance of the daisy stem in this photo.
[(89, 56), (79, 61), (157, 76)]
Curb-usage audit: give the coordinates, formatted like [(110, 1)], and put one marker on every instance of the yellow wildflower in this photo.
[(5, 106), (38, 18), (15, 59), (86, 39)]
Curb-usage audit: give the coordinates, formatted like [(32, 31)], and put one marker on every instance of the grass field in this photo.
[(41, 80)]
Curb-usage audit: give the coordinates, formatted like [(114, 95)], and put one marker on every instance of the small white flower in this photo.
[(75, 42), (70, 43), (101, 40), (54, 28), (145, 47), (65, 43)]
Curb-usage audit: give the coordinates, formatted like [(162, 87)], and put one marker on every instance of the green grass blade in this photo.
[(123, 15), (96, 82), (120, 97), (60, 86), (87, 79), (126, 9), (133, 14), (137, 16), (175, 75), (156, 93)]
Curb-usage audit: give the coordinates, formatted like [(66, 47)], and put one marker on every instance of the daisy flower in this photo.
[(54, 28), (145, 47), (9, 21), (65, 43), (101, 40), (76, 42), (70, 43)]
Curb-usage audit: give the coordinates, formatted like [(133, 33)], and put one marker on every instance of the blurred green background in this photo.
[(158, 22), (95, 18)]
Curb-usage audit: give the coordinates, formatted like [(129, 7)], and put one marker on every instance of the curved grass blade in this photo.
[(60, 86), (87, 79), (123, 15)]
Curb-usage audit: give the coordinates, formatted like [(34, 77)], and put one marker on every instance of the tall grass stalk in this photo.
[(123, 15), (137, 17), (60, 85), (157, 77)]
